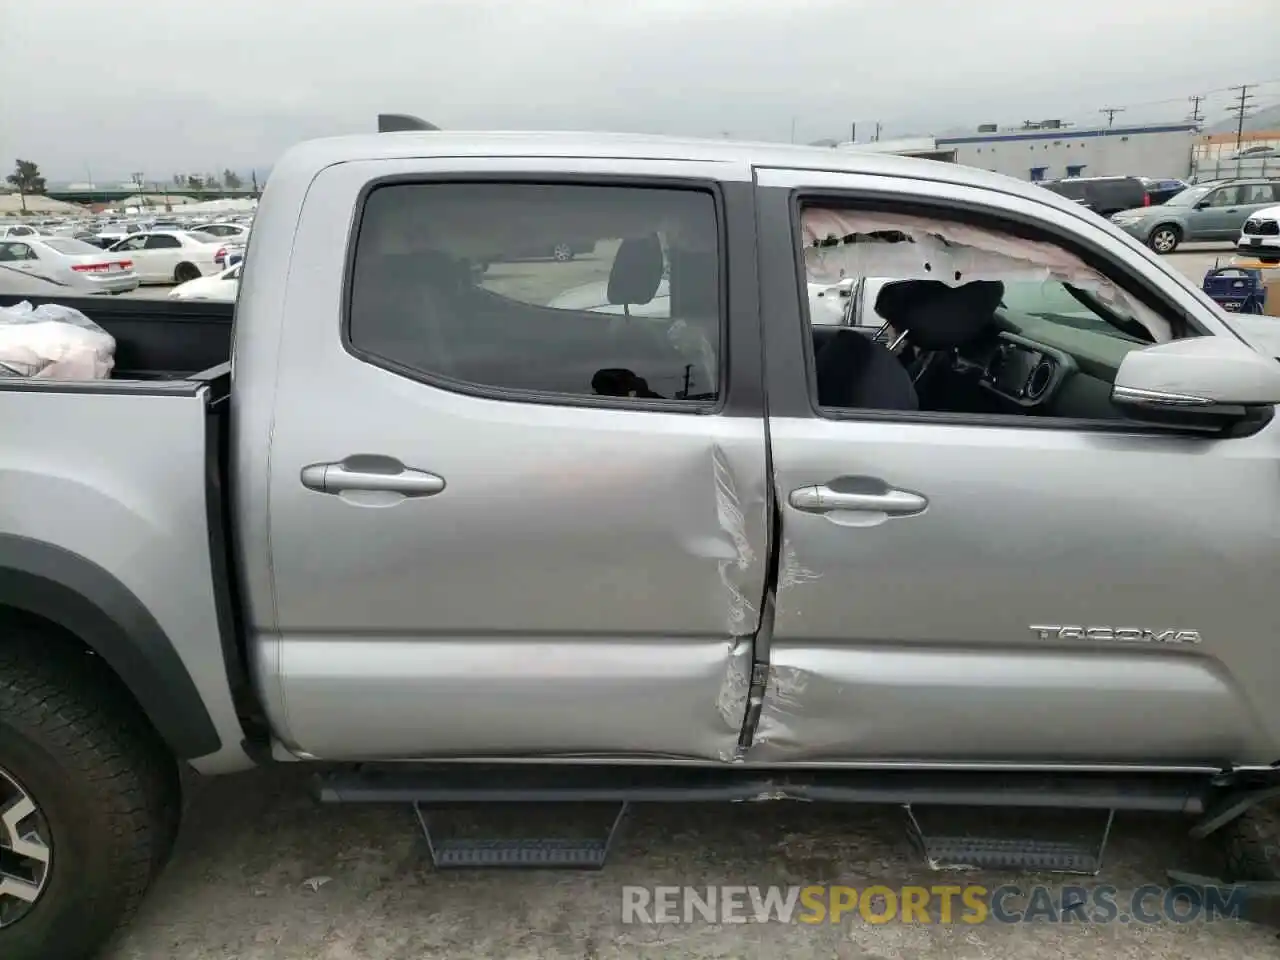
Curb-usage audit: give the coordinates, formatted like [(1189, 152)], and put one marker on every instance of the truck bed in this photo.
[(156, 340)]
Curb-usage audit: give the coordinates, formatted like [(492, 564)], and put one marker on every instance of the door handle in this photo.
[(823, 499), (378, 474)]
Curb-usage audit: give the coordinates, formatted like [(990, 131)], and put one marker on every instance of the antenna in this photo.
[(397, 122)]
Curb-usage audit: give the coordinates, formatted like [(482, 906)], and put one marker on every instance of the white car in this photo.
[(221, 287), (1260, 235), (170, 256), (19, 230), (72, 264)]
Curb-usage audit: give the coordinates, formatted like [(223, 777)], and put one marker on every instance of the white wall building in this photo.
[(1162, 151), (1049, 153)]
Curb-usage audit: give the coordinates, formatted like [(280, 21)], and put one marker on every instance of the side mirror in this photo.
[(1203, 383), (1202, 205)]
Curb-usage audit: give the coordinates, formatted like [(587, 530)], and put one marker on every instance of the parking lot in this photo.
[(263, 871), (1193, 259)]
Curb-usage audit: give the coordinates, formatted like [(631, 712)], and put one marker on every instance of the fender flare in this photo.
[(92, 605)]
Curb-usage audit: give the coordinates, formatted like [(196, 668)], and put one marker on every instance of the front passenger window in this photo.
[(1226, 197), (955, 318)]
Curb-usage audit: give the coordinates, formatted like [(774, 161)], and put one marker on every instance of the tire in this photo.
[(1164, 238), (1253, 845), (105, 792), (185, 272), (563, 253)]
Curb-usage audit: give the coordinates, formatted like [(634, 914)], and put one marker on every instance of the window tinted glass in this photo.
[(1258, 193), (161, 241), (10, 252), (580, 290), (1226, 197)]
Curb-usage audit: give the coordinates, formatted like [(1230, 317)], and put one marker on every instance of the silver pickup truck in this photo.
[(431, 525)]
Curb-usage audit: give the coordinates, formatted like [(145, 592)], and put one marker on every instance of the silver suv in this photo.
[(1206, 211)]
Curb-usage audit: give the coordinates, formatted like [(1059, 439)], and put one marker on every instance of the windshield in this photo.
[(1189, 197), (74, 248), (1051, 300)]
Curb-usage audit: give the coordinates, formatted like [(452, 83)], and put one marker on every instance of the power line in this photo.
[(1241, 110)]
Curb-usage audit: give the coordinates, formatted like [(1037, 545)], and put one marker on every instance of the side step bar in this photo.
[(950, 813), (556, 783)]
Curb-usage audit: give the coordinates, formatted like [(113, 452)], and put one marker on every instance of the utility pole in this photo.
[(853, 133), (1196, 116), (1111, 114), (876, 138), (138, 180), (1241, 110)]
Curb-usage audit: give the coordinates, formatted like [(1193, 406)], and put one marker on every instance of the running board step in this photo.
[(1061, 842), (445, 783), (518, 852)]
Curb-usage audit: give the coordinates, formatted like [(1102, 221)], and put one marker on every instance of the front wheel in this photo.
[(1164, 239), (88, 802), (562, 252)]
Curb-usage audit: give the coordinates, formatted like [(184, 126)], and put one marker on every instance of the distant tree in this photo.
[(211, 181), (27, 181), (194, 183), (232, 180)]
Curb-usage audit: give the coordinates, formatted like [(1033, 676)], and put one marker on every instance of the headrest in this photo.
[(637, 270), (936, 316)]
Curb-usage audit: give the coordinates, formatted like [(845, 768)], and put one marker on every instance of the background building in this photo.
[(1050, 150)]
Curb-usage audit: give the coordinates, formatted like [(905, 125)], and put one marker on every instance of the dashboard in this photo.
[(1017, 370)]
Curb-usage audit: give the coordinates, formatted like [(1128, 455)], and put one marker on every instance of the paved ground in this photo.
[(264, 873), (248, 883)]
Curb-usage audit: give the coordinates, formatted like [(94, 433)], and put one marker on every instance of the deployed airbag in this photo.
[(53, 342), (908, 247)]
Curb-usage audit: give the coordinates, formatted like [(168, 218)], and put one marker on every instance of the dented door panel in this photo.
[(587, 581), (1066, 595)]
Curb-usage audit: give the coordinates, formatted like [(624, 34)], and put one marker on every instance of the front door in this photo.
[(521, 510), (1221, 217), (990, 575)]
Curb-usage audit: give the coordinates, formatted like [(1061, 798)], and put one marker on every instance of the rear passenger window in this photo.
[(558, 290)]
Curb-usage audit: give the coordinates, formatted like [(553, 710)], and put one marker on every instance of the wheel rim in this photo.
[(1163, 240), (562, 252), (25, 852)]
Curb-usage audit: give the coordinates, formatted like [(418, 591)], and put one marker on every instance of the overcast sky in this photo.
[(114, 86)]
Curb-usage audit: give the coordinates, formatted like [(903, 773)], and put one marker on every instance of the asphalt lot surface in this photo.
[(262, 872)]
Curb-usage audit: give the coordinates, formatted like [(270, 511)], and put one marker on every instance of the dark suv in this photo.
[(1102, 195)]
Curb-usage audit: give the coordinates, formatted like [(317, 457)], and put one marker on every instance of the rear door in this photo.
[(931, 559), (499, 527)]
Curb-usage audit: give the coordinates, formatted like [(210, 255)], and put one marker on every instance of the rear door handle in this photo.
[(376, 474), (823, 499)]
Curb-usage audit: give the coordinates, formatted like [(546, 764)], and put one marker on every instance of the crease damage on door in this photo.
[(742, 575), (784, 685)]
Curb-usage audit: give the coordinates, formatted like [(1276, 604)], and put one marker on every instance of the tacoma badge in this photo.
[(1117, 634)]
